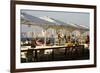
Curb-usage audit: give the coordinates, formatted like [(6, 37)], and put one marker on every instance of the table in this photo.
[(42, 48), (46, 48)]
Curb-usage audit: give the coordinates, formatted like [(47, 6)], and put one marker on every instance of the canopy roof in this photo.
[(47, 22), (32, 20)]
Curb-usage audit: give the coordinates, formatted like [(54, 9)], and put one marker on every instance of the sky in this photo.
[(67, 17)]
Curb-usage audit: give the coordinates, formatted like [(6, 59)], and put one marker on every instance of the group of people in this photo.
[(67, 40), (73, 40)]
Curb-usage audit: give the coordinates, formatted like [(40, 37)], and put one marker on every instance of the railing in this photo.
[(69, 51)]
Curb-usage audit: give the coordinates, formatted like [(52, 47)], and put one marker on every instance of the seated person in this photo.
[(33, 43), (69, 43)]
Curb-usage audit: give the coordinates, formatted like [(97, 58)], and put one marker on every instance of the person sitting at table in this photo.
[(59, 38), (30, 54), (87, 41), (33, 43), (48, 42), (68, 41)]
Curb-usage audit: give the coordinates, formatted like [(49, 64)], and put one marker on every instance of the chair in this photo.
[(30, 55)]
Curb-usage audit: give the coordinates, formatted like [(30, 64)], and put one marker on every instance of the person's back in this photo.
[(33, 43)]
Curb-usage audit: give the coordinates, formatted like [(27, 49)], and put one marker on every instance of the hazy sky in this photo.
[(68, 17)]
